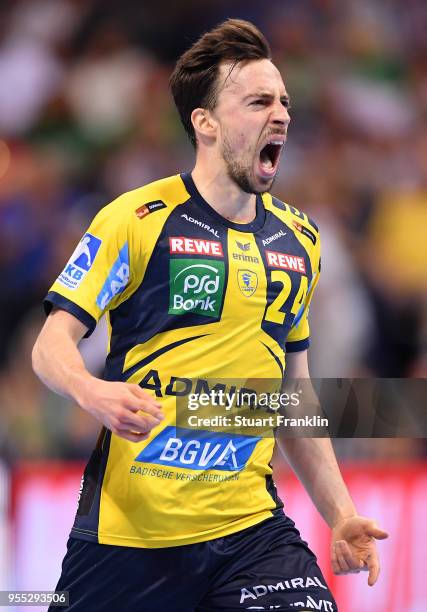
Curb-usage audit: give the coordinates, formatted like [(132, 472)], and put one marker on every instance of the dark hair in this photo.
[(194, 79)]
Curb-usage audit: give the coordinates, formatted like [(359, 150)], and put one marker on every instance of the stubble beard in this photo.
[(239, 172)]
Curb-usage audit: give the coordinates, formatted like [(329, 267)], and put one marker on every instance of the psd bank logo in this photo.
[(199, 450), (80, 261), (196, 285)]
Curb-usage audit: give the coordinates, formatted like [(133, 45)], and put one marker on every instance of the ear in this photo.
[(203, 122)]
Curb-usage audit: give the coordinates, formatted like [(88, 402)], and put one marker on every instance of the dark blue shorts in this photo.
[(265, 567)]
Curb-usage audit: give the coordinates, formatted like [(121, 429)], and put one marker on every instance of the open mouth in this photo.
[(269, 157)]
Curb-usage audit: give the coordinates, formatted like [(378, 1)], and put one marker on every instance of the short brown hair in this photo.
[(193, 81)]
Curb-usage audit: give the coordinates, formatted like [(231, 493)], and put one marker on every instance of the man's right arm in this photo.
[(124, 408)]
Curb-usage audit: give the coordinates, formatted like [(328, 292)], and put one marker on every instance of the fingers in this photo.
[(133, 427), (343, 561), (134, 421), (377, 533), (126, 409), (141, 400), (141, 394), (354, 548), (372, 560), (373, 566), (139, 422), (132, 436), (334, 561)]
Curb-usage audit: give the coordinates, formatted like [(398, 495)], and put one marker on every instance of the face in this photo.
[(252, 121)]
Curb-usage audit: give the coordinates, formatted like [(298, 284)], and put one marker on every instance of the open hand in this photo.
[(353, 547)]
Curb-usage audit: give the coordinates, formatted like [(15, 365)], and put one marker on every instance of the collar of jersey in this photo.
[(252, 227)]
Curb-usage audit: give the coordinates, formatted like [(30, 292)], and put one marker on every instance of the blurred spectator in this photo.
[(105, 88), (33, 421)]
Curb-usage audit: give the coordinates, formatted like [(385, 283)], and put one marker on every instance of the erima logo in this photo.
[(195, 246), (204, 226), (243, 247), (116, 280), (249, 258), (285, 261), (279, 234), (80, 261), (199, 450)]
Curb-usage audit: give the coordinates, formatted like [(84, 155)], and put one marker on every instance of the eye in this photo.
[(258, 103), (286, 104)]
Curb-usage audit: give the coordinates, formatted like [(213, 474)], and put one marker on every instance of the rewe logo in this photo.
[(195, 246), (196, 285), (199, 450), (285, 261)]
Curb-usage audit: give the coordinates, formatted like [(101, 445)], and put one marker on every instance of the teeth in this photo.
[(276, 142)]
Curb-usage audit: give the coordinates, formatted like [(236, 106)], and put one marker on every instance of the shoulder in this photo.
[(301, 224), (163, 194)]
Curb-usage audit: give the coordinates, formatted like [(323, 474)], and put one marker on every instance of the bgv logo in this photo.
[(199, 450)]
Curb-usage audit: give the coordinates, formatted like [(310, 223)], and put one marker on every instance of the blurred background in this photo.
[(85, 114)]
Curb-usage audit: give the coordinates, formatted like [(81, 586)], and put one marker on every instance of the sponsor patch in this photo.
[(196, 285), (201, 224), (199, 450), (279, 234), (243, 246), (248, 258), (148, 208), (195, 246), (311, 604), (117, 279), (80, 261), (285, 261), (248, 282), (260, 590), (305, 231)]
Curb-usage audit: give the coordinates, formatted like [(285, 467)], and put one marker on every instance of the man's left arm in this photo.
[(353, 547)]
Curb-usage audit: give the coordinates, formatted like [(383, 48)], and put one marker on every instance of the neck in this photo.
[(222, 193)]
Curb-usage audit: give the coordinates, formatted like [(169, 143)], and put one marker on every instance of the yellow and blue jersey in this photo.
[(190, 297)]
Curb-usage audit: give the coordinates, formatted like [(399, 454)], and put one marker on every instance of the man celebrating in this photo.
[(203, 276)]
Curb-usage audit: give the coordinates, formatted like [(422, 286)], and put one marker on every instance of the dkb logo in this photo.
[(80, 261)]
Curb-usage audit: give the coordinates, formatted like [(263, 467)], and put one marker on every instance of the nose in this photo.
[(280, 115)]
